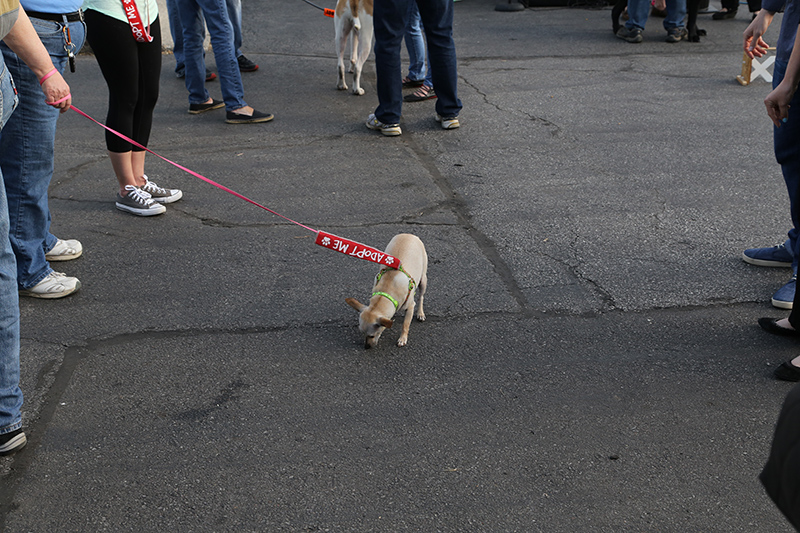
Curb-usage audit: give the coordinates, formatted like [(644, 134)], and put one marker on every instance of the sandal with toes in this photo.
[(408, 83), (423, 93)]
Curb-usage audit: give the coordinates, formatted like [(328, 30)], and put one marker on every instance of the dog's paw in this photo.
[(358, 92), (421, 317), (341, 86), (402, 341)]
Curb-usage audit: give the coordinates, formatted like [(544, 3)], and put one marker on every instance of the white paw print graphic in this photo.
[(390, 260), (325, 241)]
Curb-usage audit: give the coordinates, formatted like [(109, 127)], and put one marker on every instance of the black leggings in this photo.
[(132, 71)]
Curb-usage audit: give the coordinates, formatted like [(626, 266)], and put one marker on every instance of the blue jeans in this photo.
[(786, 140), (10, 393), (415, 44), (638, 10), (175, 28), (26, 154), (391, 18), (220, 29)]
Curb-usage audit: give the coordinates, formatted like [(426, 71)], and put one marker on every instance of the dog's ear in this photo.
[(385, 322), (355, 304)]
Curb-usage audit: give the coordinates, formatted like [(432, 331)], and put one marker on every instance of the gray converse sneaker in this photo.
[(65, 250), (160, 194), (56, 285), (139, 203)]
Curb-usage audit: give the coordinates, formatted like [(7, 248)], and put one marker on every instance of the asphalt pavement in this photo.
[(591, 360)]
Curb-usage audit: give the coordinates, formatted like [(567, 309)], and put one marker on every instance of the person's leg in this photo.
[(176, 30), (638, 11), (676, 15), (390, 21), (219, 25), (26, 155), (415, 44), (787, 154), (193, 31), (437, 19), (234, 8), (10, 393), (131, 71)]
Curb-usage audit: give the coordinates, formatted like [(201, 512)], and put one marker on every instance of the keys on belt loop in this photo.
[(69, 47)]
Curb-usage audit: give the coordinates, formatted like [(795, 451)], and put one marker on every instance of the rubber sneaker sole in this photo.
[(65, 250), (764, 262), (156, 209), (31, 293), (448, 123), (256, 118), (388, 130), (196, 109), (16, 440)]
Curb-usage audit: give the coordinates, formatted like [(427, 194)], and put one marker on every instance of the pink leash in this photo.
[(326, 240)]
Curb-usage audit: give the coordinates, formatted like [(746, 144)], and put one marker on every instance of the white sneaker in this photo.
[(160, 194), (449, 123), (65, 250), (139, 203), (56, 285), (390, 130)]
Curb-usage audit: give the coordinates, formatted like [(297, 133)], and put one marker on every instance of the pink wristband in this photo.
[(41, 81)]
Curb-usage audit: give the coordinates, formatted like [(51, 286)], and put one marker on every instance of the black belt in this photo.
[(71, 17)]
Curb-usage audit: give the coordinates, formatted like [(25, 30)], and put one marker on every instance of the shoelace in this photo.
[(151, 186), (138, 195)]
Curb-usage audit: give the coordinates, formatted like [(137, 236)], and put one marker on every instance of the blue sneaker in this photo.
[(784, 297), (777, 256)]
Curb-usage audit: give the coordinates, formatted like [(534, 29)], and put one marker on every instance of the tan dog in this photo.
[(394, 289), (353, 16)]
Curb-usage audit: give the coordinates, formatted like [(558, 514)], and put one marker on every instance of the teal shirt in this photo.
[(148, 9)]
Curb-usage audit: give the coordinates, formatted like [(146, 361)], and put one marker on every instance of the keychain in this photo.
[(69, 47)]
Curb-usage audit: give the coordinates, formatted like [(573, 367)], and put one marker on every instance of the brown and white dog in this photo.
[(394, 290), (353, 16)]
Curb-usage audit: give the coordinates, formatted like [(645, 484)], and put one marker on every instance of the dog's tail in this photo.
[(354, 7)]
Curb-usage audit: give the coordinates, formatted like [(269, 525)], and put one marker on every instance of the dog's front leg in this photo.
[(403, 340)]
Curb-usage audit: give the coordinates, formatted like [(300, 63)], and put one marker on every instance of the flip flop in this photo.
[(408, 83), (423, 93)]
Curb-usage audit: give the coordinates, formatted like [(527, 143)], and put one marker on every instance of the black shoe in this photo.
[(13, 441), (181, 73), (245, 65), (676, 35), (255, 118), (724, 15), (787, 372), (631, 36), (770, 325), (196, 109)]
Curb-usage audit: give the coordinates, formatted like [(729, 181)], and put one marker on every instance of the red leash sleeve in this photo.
[(355, 249)]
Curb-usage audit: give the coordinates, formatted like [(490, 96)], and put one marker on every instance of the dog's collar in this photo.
[(411, 285)]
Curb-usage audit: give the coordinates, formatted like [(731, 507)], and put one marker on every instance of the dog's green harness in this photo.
[(411, 285)]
